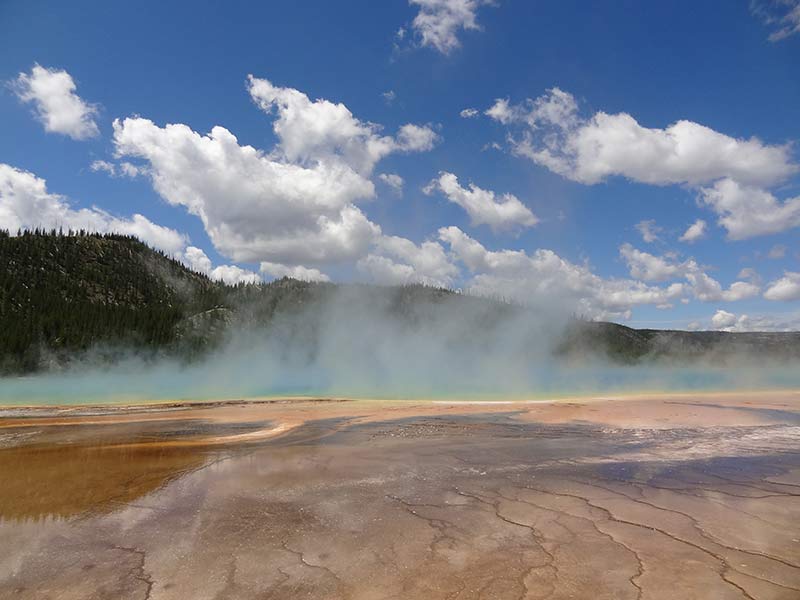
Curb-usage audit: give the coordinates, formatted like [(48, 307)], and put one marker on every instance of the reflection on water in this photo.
[(64, 472), (68, 467), (69, 480)]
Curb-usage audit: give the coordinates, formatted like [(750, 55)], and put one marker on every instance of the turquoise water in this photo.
[(137, 383)]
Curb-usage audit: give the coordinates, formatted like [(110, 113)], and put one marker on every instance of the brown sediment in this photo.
[(66, 481), (670, 496)]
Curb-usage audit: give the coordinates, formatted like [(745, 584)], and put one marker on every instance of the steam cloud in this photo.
[(364, 342)]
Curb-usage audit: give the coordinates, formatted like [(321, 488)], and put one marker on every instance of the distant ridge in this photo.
[(65, 294)]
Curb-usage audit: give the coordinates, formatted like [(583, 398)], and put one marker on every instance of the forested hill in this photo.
[(63, 295), (71, 292)]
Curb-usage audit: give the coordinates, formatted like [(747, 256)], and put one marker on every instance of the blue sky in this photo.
[(584, 138)]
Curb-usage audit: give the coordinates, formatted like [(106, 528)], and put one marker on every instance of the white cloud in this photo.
[(122, 169), (500, 111), (393, 180), (722, 319), (725, 321), (547, 281), (398, 261), (649, 267), (439, 21), (483, 206), (708, 289), (416, 138), (323, 131), (783, 15), (694, 232), (295, 272), (385, 271), (649, 230), (57, 105), (556, 108), (25, 203), (233, 275), (254, 208), (784, 289), (735, 172), (292, 209), (747, 211), (105, 166), (468, 113), (197, 260), (553, 134)]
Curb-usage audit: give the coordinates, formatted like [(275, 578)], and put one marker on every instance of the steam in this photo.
[(368, 342)]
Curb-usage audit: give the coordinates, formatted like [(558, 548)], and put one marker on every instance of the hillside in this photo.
[(66, 295), (627, 345)]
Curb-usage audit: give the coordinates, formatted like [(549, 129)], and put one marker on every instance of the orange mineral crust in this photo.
[(651, 496)]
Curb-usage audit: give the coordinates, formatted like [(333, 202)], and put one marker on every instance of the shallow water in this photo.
[(135, 383), (668, 497)]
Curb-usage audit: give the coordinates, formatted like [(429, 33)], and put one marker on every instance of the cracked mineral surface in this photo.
[(667, 496)]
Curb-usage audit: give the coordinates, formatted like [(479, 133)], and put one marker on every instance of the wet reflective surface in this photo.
[(672, 497)]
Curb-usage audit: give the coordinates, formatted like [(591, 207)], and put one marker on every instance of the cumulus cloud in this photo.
[(782, 15), (296, 272), (694, 232), (57, 106), (254, 208), (723, 320), (483, 206), (468, 113), (784, 289), (323, 131), (25, 203), (197, 260), (649, 267), (733, 173), (233, 275), (393, 180), (649, 230), (292, 209), (545, 280), (398, 261), (708, 289), (501, 111), (416, 138), (551, 132), (439, 22), (747, 211)]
